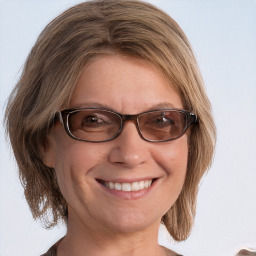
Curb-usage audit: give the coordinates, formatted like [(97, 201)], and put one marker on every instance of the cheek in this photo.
[(70, 153), (173, 157), (74, 161)]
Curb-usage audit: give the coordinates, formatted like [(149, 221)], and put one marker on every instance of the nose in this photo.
[(129, 149)]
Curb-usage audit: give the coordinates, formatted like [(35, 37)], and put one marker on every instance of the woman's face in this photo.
[(128, 86)]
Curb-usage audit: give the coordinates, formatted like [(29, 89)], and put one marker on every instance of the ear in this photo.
[(47, 152)]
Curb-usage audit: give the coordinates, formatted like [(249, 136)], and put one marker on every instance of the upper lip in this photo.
[(125, 180)]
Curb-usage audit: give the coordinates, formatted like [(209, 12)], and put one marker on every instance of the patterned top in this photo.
[(53, 251)]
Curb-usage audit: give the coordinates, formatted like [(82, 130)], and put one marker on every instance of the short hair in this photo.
[(65, 46)]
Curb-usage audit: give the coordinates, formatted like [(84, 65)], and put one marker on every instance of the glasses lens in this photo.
[(94, 125), (162, 125)]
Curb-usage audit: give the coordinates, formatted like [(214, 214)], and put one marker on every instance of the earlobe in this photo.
[(47, 153)]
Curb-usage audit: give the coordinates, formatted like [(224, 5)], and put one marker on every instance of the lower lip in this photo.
[(129, 195)]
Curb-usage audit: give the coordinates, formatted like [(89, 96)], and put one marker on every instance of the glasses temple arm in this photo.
[(60, 117), (193, 117)]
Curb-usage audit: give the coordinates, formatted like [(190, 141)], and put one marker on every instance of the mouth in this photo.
[(127, 186)]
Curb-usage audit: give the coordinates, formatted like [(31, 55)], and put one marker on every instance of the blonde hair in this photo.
[(52, 70)]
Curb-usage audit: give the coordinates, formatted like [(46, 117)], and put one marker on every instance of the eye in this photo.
[(89, 121), (92, 121), (162, 121)]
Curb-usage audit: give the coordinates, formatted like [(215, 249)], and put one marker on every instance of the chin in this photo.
[(131, 222)]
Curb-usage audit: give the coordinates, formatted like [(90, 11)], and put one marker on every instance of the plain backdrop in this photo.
[(223, 36)]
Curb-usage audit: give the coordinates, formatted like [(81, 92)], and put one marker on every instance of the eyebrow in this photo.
[(91, 105), (161, 105)]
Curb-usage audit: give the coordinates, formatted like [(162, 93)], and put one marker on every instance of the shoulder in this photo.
[(172, 253), (53, 250), (49, 253)]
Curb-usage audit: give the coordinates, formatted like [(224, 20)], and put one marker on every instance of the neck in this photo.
[(82, 239)]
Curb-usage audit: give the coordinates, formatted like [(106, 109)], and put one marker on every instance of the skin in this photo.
[(100, 221)]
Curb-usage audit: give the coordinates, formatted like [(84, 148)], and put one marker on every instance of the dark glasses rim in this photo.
[(64, 114)]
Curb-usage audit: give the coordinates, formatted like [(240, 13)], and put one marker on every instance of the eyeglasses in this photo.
[(100, 125)]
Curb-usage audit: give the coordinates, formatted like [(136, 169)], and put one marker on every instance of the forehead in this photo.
[(124, 84)]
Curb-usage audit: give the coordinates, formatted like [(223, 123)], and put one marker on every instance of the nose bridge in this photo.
[(129, 118), (133, 119), (129, 150)]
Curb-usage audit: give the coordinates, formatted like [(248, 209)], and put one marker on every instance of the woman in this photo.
[(112, 129)]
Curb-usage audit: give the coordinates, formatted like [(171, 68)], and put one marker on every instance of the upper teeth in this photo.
[(134, 186)]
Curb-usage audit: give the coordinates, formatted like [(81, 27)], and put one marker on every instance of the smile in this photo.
[(127, 186), (128, 190), (134, 186)]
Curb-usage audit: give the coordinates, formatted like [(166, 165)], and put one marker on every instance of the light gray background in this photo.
[(223, 35)]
